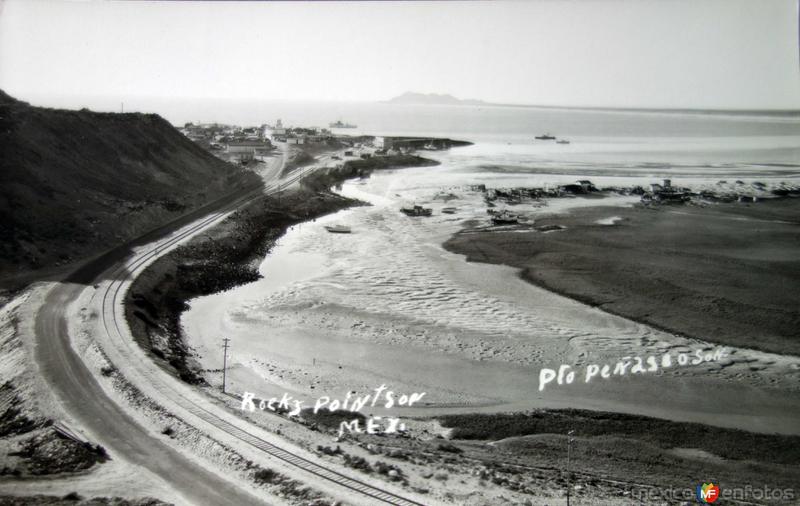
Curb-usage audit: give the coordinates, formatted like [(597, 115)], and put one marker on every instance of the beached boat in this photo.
[(338, 229), (505, 218), (446, 196), (546, 137), (340, 124), (417, 211), (449, 210)]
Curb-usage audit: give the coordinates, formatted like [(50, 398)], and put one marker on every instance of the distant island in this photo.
[(411, 97)]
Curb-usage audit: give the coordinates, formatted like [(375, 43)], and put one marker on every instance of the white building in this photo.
[(384, 142)]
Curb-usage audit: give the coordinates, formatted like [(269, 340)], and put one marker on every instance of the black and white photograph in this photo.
[(410, 253)]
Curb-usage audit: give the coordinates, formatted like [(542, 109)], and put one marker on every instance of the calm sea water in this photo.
[(597, 137), (473, 122)]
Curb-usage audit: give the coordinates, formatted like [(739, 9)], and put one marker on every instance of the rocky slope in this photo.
[(75, 183)]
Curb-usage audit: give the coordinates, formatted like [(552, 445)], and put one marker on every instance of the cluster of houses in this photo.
[(244, 144), (299, 135), (248, 143), (666, 193)]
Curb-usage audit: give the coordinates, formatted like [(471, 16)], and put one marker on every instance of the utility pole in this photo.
[(569, 467), (225, 345)]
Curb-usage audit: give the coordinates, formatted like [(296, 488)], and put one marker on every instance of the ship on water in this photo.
[(341, 124)]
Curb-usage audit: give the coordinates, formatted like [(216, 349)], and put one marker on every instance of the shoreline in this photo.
[(229, 256)]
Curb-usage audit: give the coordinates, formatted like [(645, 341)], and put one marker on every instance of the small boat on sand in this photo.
[(338, 229), (505, 218), (545, 137), (417, 211)]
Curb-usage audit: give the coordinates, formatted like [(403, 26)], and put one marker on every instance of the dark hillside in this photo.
[(75, 183)]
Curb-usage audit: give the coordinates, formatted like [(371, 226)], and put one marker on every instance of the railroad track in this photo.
[(116, 327)]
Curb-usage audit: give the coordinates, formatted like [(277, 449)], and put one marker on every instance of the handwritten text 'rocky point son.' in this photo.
[(566, 375), (353, 404)]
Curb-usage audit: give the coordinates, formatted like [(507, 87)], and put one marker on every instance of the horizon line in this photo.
[(460, 103)]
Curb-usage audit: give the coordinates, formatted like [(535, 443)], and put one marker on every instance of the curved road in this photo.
[(84, 399)]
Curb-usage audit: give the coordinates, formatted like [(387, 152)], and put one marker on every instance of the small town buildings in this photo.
[(278, 130), (384, 143), (251, 132), (248, 149), (666, 193)]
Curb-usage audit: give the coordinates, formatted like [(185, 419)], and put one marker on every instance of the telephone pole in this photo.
[(569, 467), (225, 346)]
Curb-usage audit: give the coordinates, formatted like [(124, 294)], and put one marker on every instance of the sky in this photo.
[(728, 54)]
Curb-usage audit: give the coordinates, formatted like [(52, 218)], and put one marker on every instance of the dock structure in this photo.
[(413, 143)]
